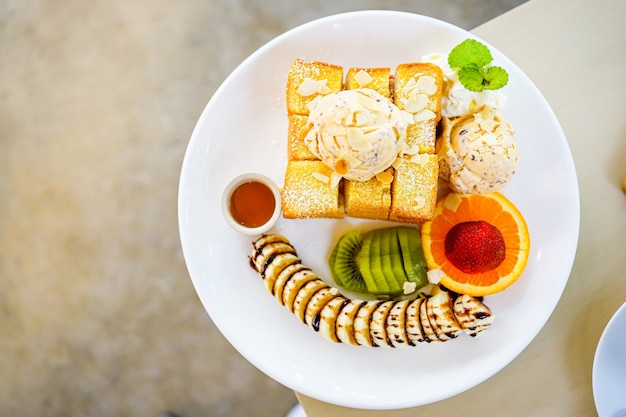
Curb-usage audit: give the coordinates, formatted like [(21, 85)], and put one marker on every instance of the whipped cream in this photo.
[(456, 100)]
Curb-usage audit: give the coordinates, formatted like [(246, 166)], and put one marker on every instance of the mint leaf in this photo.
[(471, 59), (495, 78), (468, 52), (472, 78)]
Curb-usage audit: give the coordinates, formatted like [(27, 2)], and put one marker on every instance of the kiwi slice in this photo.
[(391, 260), (385, 272), (397, 262), (344, 264), (365, 258), (374, 276), (413, 255)]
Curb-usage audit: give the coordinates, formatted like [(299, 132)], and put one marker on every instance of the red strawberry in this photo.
[(475, 247)]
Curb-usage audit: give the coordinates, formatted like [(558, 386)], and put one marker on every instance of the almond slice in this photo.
[(321, 177), (426, 85), (424, 115), (362, 78)]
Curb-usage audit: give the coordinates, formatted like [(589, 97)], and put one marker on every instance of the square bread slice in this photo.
[(418, 89), (414, 79), (414, 189), (421, 136), (369, 199), (307, 80), (375, 78), (296, 148), (308, 191)]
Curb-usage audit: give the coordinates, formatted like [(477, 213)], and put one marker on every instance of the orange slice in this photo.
[(477, 243)]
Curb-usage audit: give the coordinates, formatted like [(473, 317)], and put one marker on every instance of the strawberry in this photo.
[(475, 246)]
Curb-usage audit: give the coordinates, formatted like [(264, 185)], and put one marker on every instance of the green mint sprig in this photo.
[(471, 59)]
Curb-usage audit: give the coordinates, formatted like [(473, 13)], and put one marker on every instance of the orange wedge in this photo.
[(478, 244)]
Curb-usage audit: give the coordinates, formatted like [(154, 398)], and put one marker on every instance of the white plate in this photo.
[(609, 368), (243, 128)]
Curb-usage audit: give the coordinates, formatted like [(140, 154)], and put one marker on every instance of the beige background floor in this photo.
[(98, 98)]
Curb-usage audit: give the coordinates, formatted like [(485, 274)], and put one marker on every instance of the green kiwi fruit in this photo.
[(344, 264), (413, 255), (379, 259), (397, 264)]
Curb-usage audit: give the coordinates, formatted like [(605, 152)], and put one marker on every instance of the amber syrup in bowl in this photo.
[(251, 203)]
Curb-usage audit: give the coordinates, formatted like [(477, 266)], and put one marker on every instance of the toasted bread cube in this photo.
[(296, 148), (421, 136), (414, 189), (369, 199), (408, 82), (375, 78), (307, 80), (308, 191)]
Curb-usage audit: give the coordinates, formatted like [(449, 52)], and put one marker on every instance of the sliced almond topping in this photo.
[(452, 202), (322, 88), (423, 115), (488, 125), (419, 202), (351, 160), (357, 140), (370, 103), (364, 119), (435, 275), (416, 102), (412, 150), (410, 85), (321, 177), (304, 130), (427, 85), (341, 167), (335, 129), (362, 78), (409, 287), (308, 87), (334, 179), (384, 177), (490, 139)]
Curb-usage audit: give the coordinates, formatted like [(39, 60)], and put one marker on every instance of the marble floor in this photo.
[(98, 316)]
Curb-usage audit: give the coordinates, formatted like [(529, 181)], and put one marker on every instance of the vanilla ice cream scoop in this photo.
[(477, 153), (357, 133)]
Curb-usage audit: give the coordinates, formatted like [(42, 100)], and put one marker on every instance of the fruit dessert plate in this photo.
[(245, 123)]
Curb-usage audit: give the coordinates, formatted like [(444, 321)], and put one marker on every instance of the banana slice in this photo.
[(344, 326), (473, 316), (362, 323), (414, 331), (327, 318), (441, 316), (429, 332), (396, 324), (304, 295), (317, 302), (300, 275), (378, 324), (278, 271)]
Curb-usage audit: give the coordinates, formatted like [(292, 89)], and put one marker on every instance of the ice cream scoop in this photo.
[(357, 133), (477, 153)]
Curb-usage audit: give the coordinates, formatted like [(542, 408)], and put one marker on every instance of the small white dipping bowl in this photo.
[(232, 186), (609, 368)]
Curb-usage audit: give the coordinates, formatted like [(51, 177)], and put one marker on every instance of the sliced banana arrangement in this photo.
[(376, 323)]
